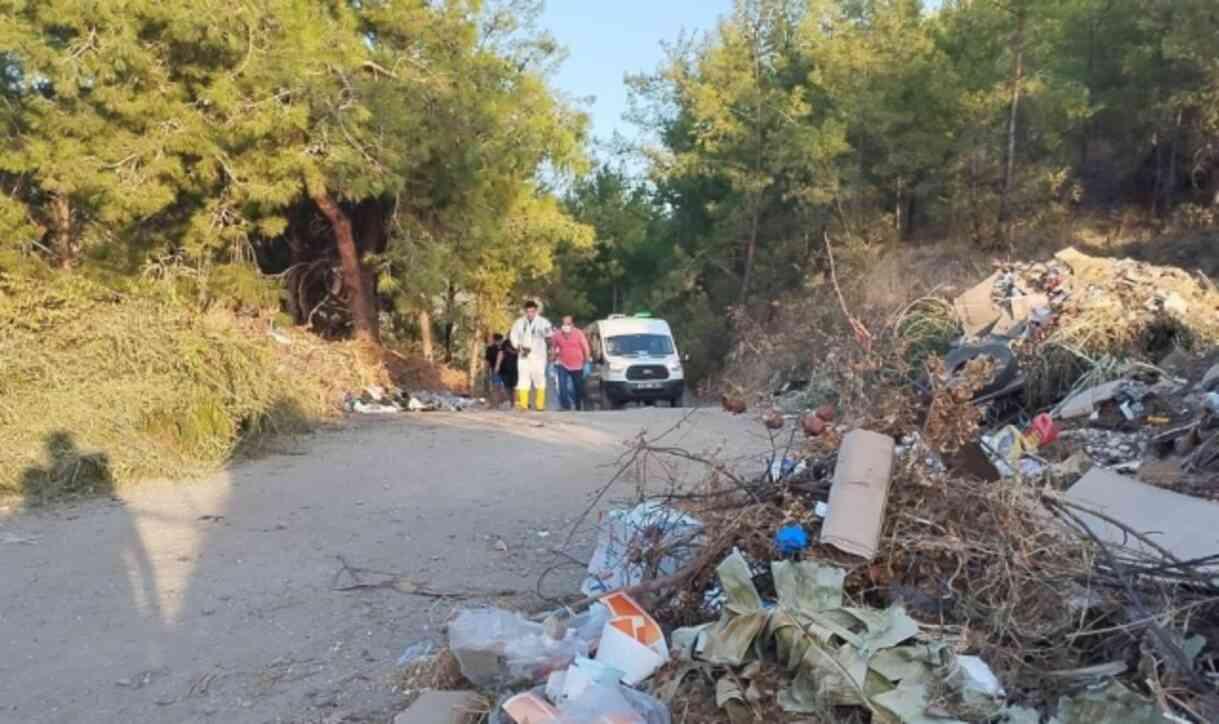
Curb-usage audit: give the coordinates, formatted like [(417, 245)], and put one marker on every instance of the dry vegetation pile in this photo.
[(100, 388)]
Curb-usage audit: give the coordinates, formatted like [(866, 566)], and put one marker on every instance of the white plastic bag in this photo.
[(627, 536), (616, 704), (498, 648), (599, 705)]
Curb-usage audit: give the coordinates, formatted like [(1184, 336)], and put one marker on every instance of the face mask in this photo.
[(567, 328)]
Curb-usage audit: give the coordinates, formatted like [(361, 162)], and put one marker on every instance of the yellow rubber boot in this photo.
[(522, 399), (540, 401)]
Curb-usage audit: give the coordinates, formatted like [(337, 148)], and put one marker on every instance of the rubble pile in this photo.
[(930, 548)]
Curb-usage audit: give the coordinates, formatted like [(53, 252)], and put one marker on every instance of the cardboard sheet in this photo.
[(859, 493), (1082, 403), (1187, 527), (975, 307)]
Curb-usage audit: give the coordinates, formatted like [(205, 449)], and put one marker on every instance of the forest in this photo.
[(405, 172)]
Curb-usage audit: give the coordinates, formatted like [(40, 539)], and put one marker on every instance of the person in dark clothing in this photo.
[(506, 368), (495, 383)]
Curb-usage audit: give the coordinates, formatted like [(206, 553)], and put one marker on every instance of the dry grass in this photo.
[(100, 389)]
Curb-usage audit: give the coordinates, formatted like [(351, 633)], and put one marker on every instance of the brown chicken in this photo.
[(774, 421), (813, 425), (825, 412), (735, 406)]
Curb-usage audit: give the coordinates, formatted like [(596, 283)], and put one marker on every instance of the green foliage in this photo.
[(204, 132), (872, 121)]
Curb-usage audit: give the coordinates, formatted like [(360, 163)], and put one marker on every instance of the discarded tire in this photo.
[(1006, 367)]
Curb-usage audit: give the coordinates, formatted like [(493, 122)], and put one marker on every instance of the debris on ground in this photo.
[(444, 707), (495, 647), (631, 648), (1002, 507), (1185, 527), (650, 539), (859, 493), (377, 400)]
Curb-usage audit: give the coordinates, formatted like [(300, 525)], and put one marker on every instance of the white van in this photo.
[(634, 360)]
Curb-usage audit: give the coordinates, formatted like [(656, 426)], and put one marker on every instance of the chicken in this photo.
[(774, 420), (735, 406), (813, 425), (825, 412)]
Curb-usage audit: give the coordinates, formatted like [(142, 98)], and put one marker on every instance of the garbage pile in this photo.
[(1016, 534), (377, 400)]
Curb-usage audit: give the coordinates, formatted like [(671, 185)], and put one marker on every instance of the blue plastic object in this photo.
[(791, 539)]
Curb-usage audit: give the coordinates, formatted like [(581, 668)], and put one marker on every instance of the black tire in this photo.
[(1006, 366), (675, 402), (608, 402)]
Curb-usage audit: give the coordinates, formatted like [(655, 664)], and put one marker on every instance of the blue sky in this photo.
[(606, 39)]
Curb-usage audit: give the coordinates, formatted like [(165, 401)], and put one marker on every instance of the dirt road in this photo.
[(215, 600)]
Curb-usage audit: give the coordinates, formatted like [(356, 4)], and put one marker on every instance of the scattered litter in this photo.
[(791, 540), (858, 496), (597, 704), (366, 408), (786, 468), (1112, 703), (632, 641), (628, 541), (495, 647), (416, 651), (377, 400), (979, 687), (443, 707), (1083, 404)]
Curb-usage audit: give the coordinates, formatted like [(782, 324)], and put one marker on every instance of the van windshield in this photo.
[(631, 345)]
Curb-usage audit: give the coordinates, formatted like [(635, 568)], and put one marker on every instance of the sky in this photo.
[(605, 40)]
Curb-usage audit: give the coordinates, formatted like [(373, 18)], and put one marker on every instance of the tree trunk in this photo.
[(751, 250), (476, 355), (360, 300), (425, 335), (62, 245), (1169, 188), (450, 321), (911, 210), (1009, 167), (898, 225)]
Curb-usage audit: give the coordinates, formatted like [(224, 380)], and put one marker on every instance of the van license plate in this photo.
[(648, 385)]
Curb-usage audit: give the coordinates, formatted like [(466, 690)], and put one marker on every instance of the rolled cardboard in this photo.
[(859, 493)]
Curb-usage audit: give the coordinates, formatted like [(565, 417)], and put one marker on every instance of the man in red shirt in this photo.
[(571, 353)]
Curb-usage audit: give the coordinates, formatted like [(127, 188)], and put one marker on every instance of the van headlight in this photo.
[(675, 367), (616, 367)]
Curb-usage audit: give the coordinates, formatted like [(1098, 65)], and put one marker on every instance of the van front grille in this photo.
[(647, 372)]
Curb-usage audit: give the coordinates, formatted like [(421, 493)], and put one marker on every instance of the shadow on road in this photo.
[(68, 470)]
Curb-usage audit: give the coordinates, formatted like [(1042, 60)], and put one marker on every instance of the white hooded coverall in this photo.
[(533, 335)]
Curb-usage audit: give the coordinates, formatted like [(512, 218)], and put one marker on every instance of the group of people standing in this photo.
[(533, 347)]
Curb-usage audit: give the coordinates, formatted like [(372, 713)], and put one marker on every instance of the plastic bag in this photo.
[(614, 704), (599, 705), (499, 648), (628, 536)]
